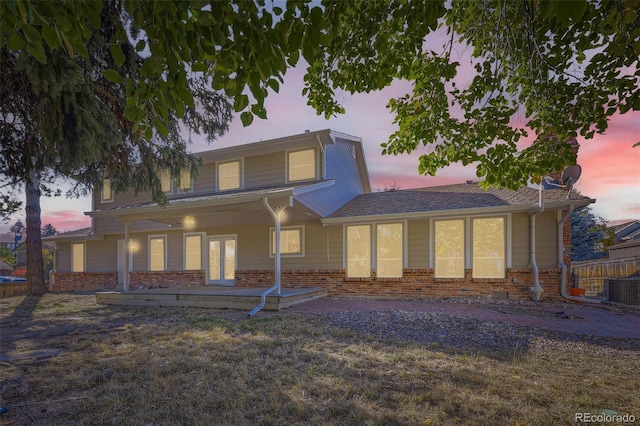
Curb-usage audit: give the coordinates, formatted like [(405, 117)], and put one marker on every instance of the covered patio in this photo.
[(218, 297)]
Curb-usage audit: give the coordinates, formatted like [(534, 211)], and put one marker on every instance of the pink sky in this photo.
[(611, 167)]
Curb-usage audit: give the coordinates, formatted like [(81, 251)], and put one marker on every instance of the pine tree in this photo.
[(589, 235)]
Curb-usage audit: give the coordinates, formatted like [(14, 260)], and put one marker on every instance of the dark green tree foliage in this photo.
[(48, 230), (552, 69), (589, 235)]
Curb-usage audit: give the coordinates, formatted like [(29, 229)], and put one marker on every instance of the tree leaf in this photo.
[(117, 54), (112, 75), (246, 118), (15, 41)]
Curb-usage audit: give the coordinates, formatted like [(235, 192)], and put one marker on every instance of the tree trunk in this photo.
[(35, 271)]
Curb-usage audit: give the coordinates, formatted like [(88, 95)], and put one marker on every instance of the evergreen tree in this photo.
[(589, 235), (48, 230)]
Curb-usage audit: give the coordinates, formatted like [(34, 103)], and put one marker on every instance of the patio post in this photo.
[(126, 256)]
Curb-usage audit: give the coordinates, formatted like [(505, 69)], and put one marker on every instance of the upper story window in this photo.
[(78, 258), (107, 193), (301, 165), (229, 175), (165, 180), (185, 184)]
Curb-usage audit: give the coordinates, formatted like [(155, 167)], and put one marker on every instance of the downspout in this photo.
[(563, 266), (125, 284), (537, 289), (276, 286)]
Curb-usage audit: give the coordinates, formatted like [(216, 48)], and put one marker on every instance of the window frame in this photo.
[(504, 247), (104, 199), (149, 254), (240, 163), (315, 164), (180, 189), (84, 256), (272, 233), (186, 235), (403, 243)]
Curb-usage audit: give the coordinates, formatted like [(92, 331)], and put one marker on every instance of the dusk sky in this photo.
[(611, 166)]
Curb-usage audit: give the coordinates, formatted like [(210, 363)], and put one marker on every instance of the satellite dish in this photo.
[(571, 175)]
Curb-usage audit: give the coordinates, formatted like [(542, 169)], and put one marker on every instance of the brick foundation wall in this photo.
[(414, 283), (165, 279), (84, 281)]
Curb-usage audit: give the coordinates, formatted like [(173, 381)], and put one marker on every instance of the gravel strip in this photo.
[(469, 334)]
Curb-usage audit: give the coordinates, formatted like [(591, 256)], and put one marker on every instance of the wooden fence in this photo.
[(13, 289), (591, 274)]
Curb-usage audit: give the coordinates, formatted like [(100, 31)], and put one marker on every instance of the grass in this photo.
[(168, 366)]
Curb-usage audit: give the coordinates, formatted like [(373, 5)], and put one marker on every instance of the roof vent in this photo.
[(306, 130), (469, 182)]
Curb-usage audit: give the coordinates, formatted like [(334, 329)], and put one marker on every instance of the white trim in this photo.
[(202, 236), (154, 237), (84, 255), (509, 241), (240, 162), (315, 164), (287, 228)]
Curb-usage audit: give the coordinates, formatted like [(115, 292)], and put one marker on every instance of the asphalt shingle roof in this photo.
[(448, 197)]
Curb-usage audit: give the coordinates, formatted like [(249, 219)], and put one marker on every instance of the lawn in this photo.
[(189, 366)]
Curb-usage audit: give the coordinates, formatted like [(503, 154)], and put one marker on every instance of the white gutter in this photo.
[(537, 289), (277, 216), (563, 266)]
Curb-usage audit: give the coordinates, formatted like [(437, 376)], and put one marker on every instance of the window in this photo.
[(488, 248), (291, 241), (77, 252), (157, 252), (185, 180), (302, 165), (358, 251), (389, 248), (107, 193), (229, 176), (193, 252), (449, 248), (165, 180)]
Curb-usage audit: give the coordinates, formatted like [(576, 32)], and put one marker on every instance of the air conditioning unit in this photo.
[(623, 290)]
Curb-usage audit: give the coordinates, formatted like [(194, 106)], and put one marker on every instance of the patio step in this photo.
[(241, 299)]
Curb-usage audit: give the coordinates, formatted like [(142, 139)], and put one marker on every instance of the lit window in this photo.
[(165, 180), (488, 248), (77, 251), (302, 165), (107, 194), (185, 180), (449, 248), (359, 251), (389, 250), (193, 252), (291, 241), (228, 176), (157, 253)]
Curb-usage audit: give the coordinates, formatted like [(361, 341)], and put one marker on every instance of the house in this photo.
[(335, 233), (627, 231), (625, 250)]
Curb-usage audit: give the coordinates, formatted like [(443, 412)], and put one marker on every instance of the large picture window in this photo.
[(449, 248), (193, 252), (77, 253), (157, 252), (291, 241), (229, 176), (389, 248), (359, 251), (302, 165), (488, 247)]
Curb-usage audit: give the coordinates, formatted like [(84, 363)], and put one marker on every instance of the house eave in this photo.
[(475, 211)]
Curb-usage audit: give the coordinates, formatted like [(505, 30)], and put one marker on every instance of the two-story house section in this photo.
[(334, 232)]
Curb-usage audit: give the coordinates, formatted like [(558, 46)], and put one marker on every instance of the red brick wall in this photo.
[(414, 283), (164, 279), (84, 281)]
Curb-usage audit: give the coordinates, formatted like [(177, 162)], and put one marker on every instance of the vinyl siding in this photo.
[(102, 255), (520, 243), (418, 244), (264, 170), (343, 168), (63, 257)]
